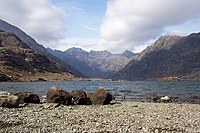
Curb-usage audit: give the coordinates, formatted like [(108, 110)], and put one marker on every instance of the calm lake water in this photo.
[(131, 90)]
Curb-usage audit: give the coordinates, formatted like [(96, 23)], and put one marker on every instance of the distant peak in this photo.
[(76, 48), (76, 51), (128, 53), (99, 53), (103, 51)]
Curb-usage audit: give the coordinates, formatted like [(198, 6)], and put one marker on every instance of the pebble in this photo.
[(125, 117)]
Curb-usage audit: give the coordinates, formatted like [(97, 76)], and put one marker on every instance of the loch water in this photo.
[(122, 90)]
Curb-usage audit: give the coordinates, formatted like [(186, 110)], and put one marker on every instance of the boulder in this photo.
[(28, 97), (58, 95), (8, 100), (89, 94), (101, 97), (80, 97)]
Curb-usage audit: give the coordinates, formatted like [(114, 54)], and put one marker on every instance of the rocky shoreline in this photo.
[(119, 117), (78, 111)]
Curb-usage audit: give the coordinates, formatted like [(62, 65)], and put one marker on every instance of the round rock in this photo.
[(58, 95), (101, 97), (28, 97), (80, 97)]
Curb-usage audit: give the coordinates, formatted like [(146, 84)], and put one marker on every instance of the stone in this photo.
[(28, 97), (2, 93), (152, 98), (58, 95), (8, 100), (43, 99), (80, 97), (166, 99), (101, 97)]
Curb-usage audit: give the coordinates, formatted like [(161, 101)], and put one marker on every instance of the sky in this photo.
[(113, 25)]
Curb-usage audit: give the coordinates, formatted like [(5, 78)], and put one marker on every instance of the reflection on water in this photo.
[(131, 90)]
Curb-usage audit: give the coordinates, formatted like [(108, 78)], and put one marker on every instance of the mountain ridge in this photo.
[(93, 64), (5, 26), (169, 56), (18, 62)]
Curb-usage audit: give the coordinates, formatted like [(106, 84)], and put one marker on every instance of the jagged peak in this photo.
[(128, 53), (162, 43), (76, 51), (100, 53)]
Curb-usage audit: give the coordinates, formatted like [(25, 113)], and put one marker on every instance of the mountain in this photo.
[(18, 62), (128, 53), (4, 26), (174, 56), (93, 64)]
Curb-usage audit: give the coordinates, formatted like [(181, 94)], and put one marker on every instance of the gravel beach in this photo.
[(120, 117)]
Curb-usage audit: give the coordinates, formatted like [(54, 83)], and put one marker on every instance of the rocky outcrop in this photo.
[(101, 97), (169, 56), (27, 97), (58, 95), (80, 97)]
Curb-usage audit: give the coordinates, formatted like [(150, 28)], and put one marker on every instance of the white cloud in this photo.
[(130, 23), (39, 18), (88, 27)]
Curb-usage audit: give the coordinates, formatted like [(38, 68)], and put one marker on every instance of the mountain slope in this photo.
[(4, 26), (168, 56), (20, 63), (95, 64)]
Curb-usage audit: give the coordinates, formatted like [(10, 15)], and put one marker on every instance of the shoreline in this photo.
[(120, 117)]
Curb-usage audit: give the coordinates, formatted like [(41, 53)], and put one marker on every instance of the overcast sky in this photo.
[(114, 25)]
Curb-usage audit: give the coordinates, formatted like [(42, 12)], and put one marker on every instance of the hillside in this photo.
[(94, 64), (20, 63), (4, 26), (169, 56)]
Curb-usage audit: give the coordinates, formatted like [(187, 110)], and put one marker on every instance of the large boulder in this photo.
[(28, 97), (8, 100), (58, 95), (101, 97), (80, 97)]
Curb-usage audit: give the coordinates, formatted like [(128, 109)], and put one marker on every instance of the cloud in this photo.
[(128, 24), (88, 27), (39, 18)]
